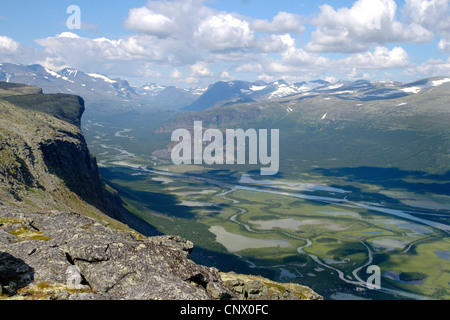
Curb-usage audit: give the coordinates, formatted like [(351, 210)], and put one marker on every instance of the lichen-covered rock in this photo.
[(250, 287), (111, 264)]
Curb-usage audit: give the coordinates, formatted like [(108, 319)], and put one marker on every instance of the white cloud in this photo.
[(429, 68), (433, 15), (172, 25), (275, 43), (8, 45), (380, 58), (12, 51), (366, 23), (68, 34), (283, 22), (200, 69), (129, 56), (297, 63), (191, 80), (301, 58), (224, 32), (444, 46), (266, 78), (146, 21), (251, 68), (175, 74), (225, 76), (293, 62), (186, 29)]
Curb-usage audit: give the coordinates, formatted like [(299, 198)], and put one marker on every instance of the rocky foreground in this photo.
[(61, 255)]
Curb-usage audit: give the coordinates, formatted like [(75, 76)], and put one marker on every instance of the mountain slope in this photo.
[(169, 97), (326, 128), (224, 93), (92, 86), (220, 91)]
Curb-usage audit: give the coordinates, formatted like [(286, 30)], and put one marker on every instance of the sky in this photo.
[(193, 43)]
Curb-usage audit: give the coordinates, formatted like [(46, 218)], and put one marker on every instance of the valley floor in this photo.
[(319, 231)]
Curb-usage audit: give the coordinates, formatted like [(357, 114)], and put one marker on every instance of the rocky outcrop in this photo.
[(61, 255), (251, 287)]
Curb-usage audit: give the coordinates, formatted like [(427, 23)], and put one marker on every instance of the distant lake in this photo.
[(234, 242), (375, 232), (443, 254)]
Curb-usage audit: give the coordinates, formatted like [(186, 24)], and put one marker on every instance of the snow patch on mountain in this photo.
[(53, 73), (439, 82), (282, 91), (99, 76), (412, 89), (335, 86), (257, 88), (416, 88)]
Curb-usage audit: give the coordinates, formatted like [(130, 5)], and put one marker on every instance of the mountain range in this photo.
[(104, 93), (99, 91)]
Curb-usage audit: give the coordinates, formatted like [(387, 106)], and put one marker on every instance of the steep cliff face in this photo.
[(42, 150), (55, 240)]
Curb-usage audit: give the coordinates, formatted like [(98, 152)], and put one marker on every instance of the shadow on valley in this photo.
[(392, 178), (160, 202)]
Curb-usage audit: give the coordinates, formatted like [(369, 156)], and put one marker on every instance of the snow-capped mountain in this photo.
[(107, 93), (244, 91), (98, 89), (281, 89), (363, 90), (90, 86)]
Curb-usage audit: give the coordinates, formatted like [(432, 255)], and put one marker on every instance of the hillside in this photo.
[(58, 235), (405, 126)]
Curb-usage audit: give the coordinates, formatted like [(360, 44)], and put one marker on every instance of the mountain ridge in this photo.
[(117, 95)]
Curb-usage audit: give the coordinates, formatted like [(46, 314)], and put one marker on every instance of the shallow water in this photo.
[(234, 242), (443, 254)]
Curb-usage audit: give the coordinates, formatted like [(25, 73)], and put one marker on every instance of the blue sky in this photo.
[(196, 42)]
